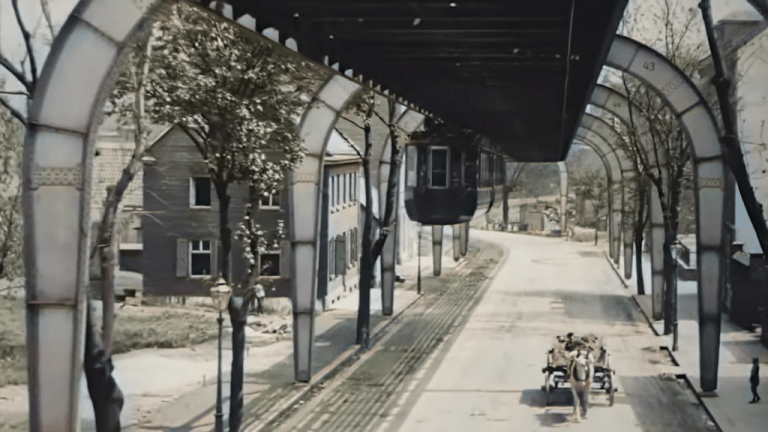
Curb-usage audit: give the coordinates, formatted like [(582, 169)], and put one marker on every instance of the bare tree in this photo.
[(511, 182)]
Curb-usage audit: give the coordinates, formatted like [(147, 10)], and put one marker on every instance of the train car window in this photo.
[(470, 169), (411, 158), (457, 157), (483, 170), (439, 158)]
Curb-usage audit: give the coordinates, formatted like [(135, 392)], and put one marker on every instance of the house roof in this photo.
[(107, 169)]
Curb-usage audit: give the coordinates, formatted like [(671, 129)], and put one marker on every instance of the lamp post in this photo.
[(418, 259), (220, 294)]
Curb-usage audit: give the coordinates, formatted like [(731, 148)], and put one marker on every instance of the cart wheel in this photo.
[(547, 388), (611, 393)]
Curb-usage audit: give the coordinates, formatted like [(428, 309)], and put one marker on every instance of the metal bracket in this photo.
[(710, 183), (50, 176)]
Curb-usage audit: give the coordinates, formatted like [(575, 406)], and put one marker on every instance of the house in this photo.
[(180, 224), (340, 224)]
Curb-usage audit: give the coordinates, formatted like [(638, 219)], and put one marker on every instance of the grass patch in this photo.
[(135, 328)]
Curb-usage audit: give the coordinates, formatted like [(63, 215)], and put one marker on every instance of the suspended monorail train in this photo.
[(451, 177)]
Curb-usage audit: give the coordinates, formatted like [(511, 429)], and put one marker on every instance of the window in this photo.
[(336, 191), (411, 157), (331, 259), (438, 167), (341, 254), (332, 193), (200, 192), (269, 264), (200, 258), (271, 201), (352, 247)]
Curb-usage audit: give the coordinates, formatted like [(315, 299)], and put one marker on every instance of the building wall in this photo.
[(339, 258), (168, 218)]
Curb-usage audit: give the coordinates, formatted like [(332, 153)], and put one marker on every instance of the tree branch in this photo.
[(349, 142), (47, 15), (28, 42), (14, 112), (355, 124), (19, 75)]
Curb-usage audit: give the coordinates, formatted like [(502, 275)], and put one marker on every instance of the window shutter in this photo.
[(182, 258), (215, 259), (285, 259), (341, 255)]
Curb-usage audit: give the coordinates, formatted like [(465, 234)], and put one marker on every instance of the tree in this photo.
[(363, 109), (106, 397), (593, 185), (11, 233), (127, 102), (655, 138), (239, 100), (511, 183)]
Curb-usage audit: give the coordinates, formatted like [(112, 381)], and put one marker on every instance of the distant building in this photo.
[(181, 224)]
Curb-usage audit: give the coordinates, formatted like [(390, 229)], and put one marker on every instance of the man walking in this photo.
[(260, 294), (581, 370), (754, 380)]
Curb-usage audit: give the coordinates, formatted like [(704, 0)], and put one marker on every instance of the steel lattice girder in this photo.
[(470, 63)]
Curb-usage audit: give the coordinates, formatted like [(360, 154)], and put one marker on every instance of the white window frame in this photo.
[(193, 194), (279, 257), (332, 193), (271, 205), (200, 251), (447, 166)]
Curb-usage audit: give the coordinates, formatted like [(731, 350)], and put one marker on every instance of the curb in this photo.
[(328, 371), (682, 376), (615, 270)]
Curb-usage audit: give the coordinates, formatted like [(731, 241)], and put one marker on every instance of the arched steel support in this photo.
[(563, 196), (437, 249), (619, 147), (305, 187), (63, 119), (684, 99), (408, 121), (600, 133), (619, 105)]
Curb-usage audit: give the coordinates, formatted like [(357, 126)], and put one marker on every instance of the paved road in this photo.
[(489, 377), (486, 374)]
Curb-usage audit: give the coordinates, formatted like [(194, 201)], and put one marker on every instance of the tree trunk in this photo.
[(366, 263), (106, 397), (670, 284), (238, 313), (225, 232), (505, 207), (639, 230)]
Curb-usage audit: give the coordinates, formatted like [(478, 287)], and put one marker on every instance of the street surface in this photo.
[(486, 374)]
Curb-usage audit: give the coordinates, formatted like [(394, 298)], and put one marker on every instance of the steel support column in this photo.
[(563, 197), (305, 189), (682, 96), (456, 236), (408, 121), (464, 238), (437, 249), (657, 254)]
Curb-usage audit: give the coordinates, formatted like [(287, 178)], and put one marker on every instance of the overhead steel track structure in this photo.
[(519, 73)]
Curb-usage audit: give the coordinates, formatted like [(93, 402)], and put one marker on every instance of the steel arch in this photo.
[(682, 96), (63, 120), (618, 105)]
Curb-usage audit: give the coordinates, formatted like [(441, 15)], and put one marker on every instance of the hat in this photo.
[(220, 281)]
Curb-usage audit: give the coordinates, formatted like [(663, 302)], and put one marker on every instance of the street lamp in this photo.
[(418, 277), (220, 295)]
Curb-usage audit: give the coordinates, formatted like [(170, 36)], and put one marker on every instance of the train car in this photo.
[(451, 177)]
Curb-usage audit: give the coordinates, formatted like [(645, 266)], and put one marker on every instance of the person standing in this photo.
[(754, 380)]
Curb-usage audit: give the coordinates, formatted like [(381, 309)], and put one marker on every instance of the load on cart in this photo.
[(561, 359)]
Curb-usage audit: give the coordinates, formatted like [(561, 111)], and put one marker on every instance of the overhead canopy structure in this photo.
[(519, 73)]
